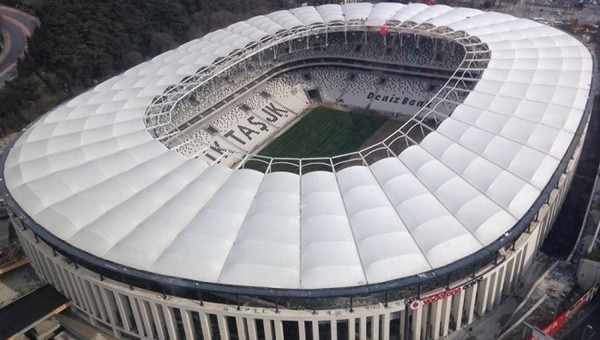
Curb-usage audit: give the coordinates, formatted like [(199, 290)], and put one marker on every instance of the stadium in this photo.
[(357, 171)]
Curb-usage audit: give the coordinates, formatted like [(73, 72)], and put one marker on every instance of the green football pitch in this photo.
[(323, 132)]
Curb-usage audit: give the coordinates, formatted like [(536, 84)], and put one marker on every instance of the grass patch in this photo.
[(594, 255), (323, 132)]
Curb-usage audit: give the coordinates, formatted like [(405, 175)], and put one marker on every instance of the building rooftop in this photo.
[(95, 183)]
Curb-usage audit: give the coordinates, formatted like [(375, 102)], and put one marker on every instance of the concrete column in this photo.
[(424, 320), (53, 277), (241, 330), (137, 318), (528, 255), (170, 321), (416, 323), (49, 271), (69, 292), (500, 287), (446, 306), (40, 263), (301, 330), (518, 267), (87, 296), (147, 319), (223, 328), (351, 329), (333, 329), (375, 326), (492, 285), (95, 306), (457, 308), (206, 328), (541, 234), (252, 335), (482, 295), (77, 297), (102, 304), (159, 320), (110, 307), (45, 267), (508, 276), (87, 290), (436, 316), (61, 280), (278, 330), (123, 311), (403, 324), (385, 326), (188, 325), (99, 301), (268, 329), (362, 328), (470, 303), (315, 330)]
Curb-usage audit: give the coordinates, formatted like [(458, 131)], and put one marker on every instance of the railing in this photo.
[(175, 94)]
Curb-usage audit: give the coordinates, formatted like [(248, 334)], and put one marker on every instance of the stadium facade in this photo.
[(135, 201)]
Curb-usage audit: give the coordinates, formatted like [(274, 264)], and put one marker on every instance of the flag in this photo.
[(384, 30)]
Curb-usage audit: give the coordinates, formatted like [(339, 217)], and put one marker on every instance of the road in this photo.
[(30, 309), (587, 15), (16, 27), (586, 324)]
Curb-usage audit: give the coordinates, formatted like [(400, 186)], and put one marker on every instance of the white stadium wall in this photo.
[(126, 201)]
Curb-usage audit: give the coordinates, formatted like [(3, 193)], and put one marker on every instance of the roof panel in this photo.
[(246, 30), (381, 12), (357, 11), (331, 13), (329, 254), (407, 12), (265, 24), (429, 13), (452, 16), (308, 15), (285, 19)]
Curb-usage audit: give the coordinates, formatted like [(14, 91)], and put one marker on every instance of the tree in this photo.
[(161, 41), (81, 43)]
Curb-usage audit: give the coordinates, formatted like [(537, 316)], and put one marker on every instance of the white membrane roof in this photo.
[(92, 175)]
